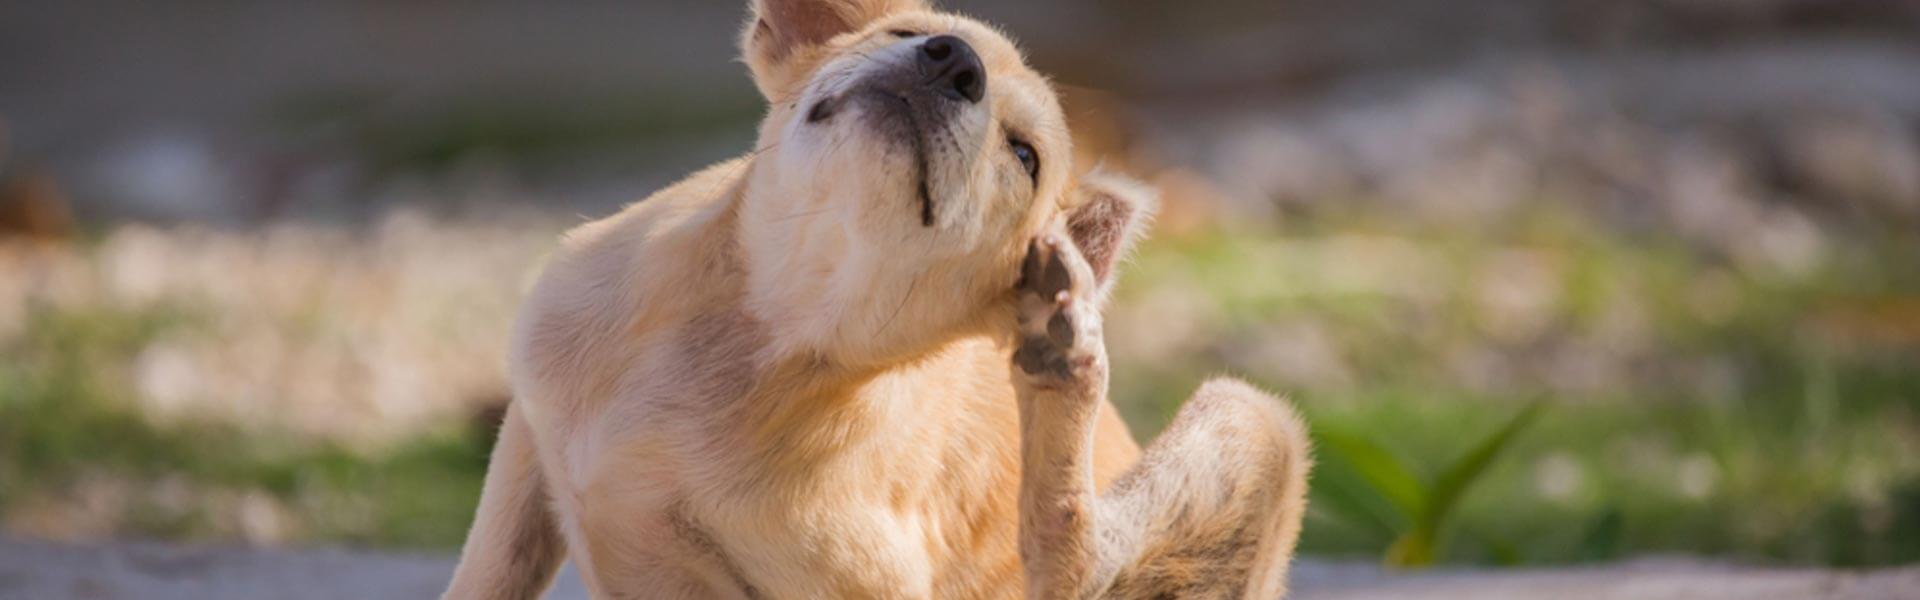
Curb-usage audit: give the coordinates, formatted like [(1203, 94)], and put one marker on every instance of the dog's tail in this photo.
[(514, 547)]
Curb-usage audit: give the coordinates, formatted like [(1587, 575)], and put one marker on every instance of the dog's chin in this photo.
[(909, 125)]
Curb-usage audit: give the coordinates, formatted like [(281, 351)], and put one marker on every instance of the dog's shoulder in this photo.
[(614, 282)]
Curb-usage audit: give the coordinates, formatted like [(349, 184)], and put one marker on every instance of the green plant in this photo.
[(1372, 485)]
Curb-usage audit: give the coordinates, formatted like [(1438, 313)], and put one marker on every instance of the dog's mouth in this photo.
[(921, 168), (910, 122)]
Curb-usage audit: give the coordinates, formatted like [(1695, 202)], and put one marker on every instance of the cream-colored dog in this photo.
[(865, 361)]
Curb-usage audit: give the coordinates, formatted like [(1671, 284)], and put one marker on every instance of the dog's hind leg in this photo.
[(1213, 508), (515, 547)]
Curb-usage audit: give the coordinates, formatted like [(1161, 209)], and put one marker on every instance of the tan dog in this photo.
[(793, 375)]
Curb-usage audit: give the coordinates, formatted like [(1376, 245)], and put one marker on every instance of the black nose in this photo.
[(952, 68)]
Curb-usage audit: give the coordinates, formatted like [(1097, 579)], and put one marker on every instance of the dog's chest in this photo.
[(839, 529), (822, 548), (868, 497)]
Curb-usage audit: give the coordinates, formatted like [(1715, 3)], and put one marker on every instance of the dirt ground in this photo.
[(36, 570)]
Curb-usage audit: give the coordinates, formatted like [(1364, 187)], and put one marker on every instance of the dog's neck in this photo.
[(833, 312), (787, 412), (827, 296)]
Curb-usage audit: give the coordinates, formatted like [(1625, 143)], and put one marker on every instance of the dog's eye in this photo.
[(1029, 159), (904, 33)]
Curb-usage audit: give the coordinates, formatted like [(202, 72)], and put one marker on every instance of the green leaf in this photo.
[(1454, 482), (1384, 472), (1420, 546), (1339, 491)]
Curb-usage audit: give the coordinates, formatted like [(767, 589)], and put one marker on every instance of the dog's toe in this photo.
[(1058, 324)]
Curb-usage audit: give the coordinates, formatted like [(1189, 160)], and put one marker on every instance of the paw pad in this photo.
[(1059, 327)]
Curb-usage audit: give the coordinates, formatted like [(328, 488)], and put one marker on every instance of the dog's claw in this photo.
[(1059, 326)]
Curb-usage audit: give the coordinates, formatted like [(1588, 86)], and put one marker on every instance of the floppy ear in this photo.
[(1106, 215), (782, 37)]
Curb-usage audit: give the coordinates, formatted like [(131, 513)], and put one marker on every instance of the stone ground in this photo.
[(36, 570)]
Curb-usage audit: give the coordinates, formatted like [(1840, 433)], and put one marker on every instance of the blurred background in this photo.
[(1556, 281)]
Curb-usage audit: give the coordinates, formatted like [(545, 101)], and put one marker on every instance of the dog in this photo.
[(865, 361)]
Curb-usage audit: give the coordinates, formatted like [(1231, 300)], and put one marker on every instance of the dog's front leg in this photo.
[(1061, 375), (1213, 508)]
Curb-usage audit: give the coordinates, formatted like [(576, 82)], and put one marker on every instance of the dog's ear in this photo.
[(782, 37), (1105, 215)]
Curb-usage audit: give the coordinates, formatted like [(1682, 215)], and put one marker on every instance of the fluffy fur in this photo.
[(792, 374)]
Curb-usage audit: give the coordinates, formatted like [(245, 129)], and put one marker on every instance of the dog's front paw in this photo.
[(1060, 337)]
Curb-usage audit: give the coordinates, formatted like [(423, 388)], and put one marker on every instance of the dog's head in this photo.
[(906, 158)]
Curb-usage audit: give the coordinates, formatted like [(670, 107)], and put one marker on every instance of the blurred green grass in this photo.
[(1695, 403), (1736, 411), (65, 421)]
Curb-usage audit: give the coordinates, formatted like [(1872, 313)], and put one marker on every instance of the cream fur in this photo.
[(773, 379)]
